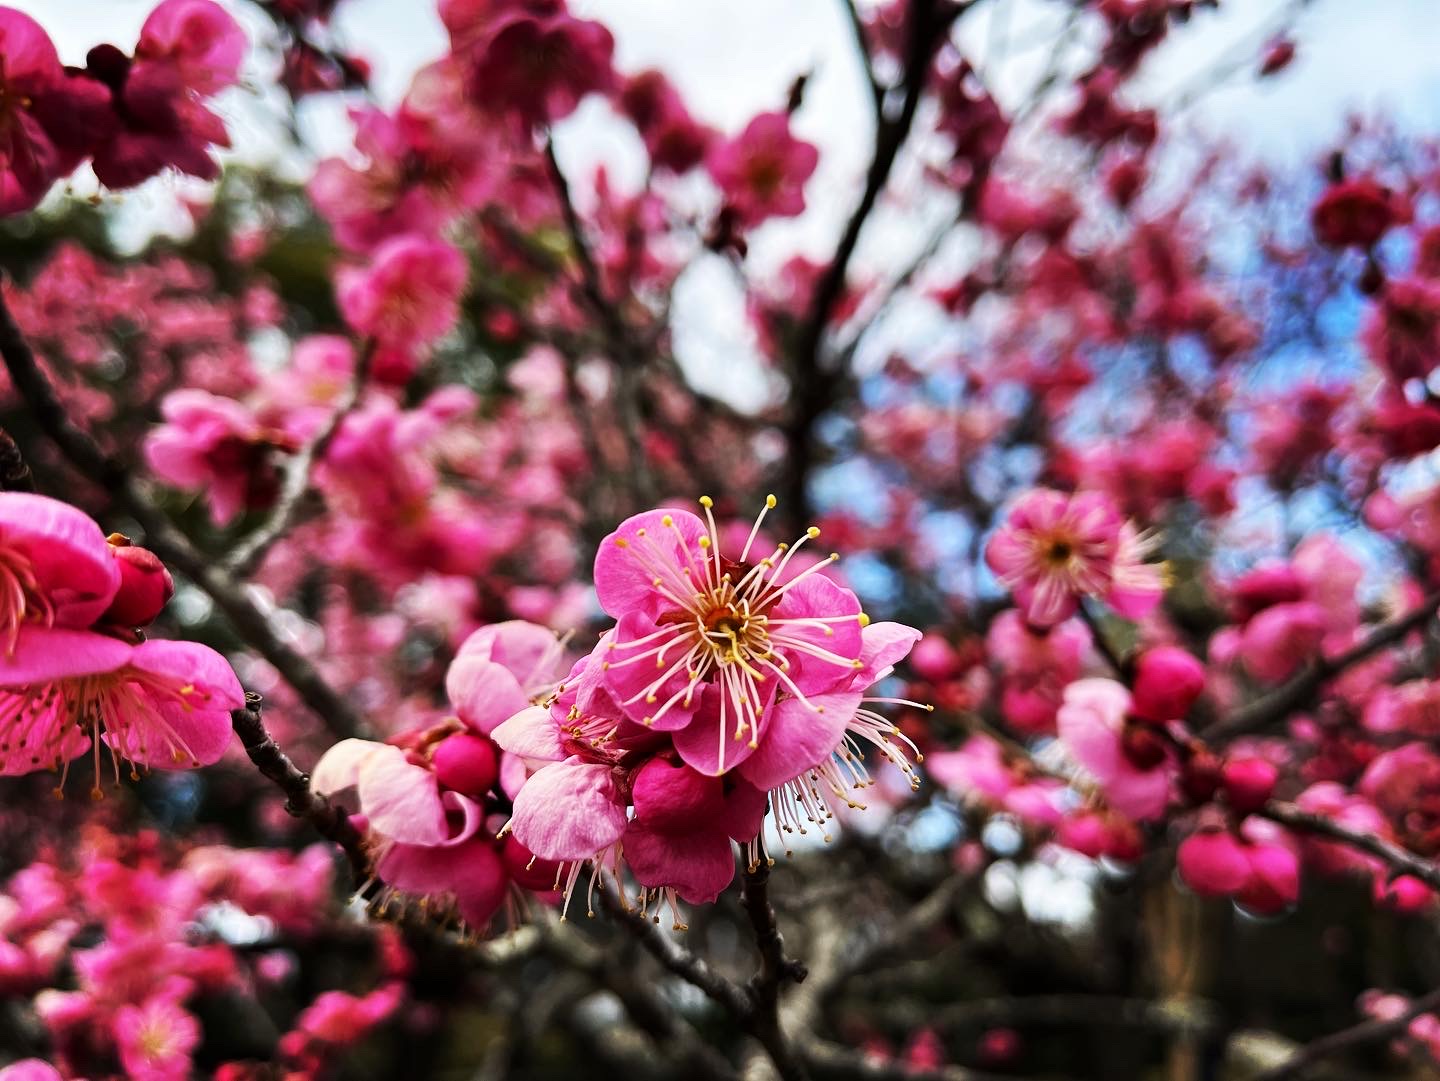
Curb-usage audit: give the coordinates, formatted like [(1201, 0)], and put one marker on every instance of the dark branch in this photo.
[(1296, 694), (15, 475), (329, 821), (1397, 859), (1336, 1043), (812, 389)]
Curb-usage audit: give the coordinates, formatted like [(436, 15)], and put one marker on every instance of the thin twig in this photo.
[(246, 555), (1397, 859), (161, 535), (867, 65), (1371, 1031)]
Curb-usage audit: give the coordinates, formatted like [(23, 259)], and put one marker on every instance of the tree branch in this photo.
[(172, 546), (301, 802), (1392, 855), (1280, 703), (813, 390), (1337, 1043)]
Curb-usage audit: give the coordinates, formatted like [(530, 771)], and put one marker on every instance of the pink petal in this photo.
[(708, 743), (401, 800), (339, 767), (698, 866), (73, 563), (625, 573), (527, 650), (569, 811), (532, 734), (798, 738), (483, 693), (42, 655), (883, 646)]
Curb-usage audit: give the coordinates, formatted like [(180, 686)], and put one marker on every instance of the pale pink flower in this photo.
[(1132, 766), (1054, 549), (56, 569)]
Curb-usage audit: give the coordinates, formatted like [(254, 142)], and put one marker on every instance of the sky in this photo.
[(733, 58)]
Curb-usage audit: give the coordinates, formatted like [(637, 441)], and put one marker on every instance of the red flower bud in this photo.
[(1167, 682), (145, 585), (1248, 783), (466, 763), (1145, 747)]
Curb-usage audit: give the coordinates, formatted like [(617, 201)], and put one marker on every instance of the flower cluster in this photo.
[(130, 116), (729, 684)]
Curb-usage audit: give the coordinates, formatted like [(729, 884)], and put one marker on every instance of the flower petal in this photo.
[(569, 811)]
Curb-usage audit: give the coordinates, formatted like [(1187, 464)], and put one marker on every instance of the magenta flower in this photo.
[(535, 64), (762, 171), (156, 1039), (56, 569), (158, 704), (47, 119), (1054, 549), (216, 445), (1131, 764), (705, 645), (188, 50), (408, 295)]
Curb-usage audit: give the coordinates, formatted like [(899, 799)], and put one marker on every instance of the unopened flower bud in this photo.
[(1248, 783), (145, 585), (466, 763), (1167, 682)]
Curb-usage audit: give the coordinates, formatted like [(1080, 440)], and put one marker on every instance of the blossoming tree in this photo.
[(406, 669)]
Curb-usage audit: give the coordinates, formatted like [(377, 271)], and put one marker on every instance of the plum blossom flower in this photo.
[(762, 171), (156, 1039), (704, 644), (405, 298), (188, 51), (530, 59), (1131, 764), (159, 704), (47, 119), (1054, 549), (425, 797), (216, 445), (56, 569)]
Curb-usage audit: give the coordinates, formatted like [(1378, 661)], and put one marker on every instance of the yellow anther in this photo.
[(621, 542), (813, 532), (770, 502), (667, 520), (864, 620), (704, 542), (706, 501)]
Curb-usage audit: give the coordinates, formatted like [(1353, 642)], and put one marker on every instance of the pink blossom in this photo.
[(1053, 549), (1133, 768), (30, 1069), (216, 445), (1281, 638), (56, 568), (158, 704), (407, 296), (47, 119), (762, 171), (1167, 682), (188, 50), (980, 771), (156, 1039), (533, 61)]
